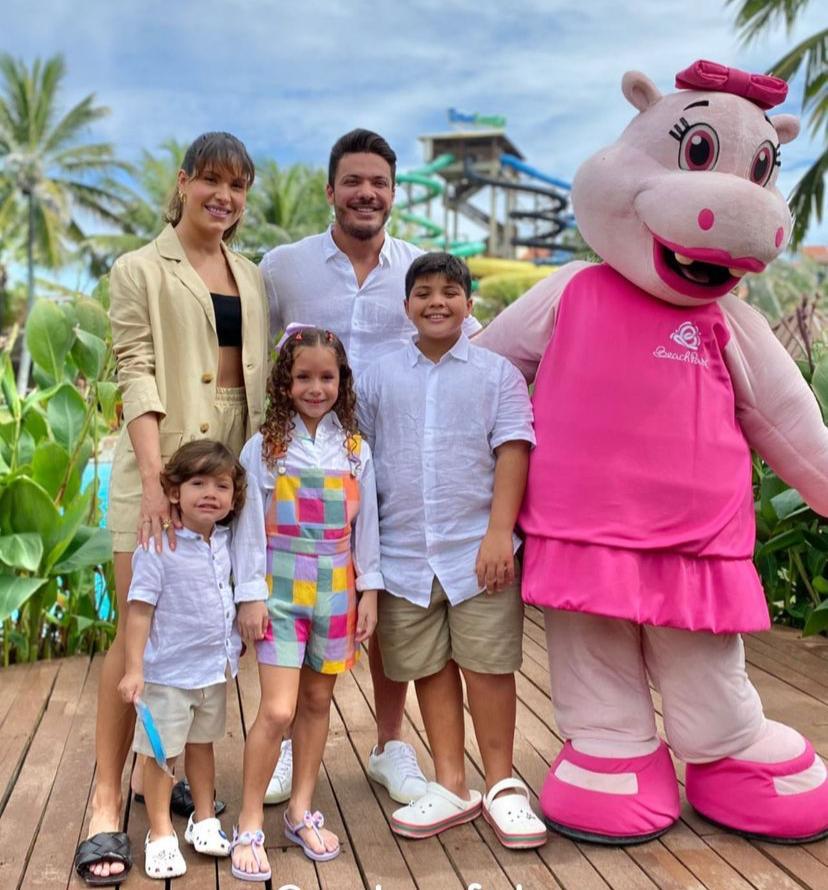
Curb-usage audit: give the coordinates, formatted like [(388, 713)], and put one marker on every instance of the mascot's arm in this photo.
[(522, 331), (779, 415)]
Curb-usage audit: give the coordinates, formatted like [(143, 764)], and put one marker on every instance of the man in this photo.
[(351, 280)]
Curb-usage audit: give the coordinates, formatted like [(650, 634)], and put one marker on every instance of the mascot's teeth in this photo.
[(737, 273), (684, 260)]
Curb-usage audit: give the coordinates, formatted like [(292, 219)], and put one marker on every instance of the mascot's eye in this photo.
[(761, 167), (699, 148)]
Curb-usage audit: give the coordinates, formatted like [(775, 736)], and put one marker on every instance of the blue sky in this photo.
[(290, 77)]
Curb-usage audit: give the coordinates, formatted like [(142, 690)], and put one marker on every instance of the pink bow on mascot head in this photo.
[(690, 238)]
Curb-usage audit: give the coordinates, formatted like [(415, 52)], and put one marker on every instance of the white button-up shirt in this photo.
[(313, 282), (193, 636), (433, 429), (325, 451)]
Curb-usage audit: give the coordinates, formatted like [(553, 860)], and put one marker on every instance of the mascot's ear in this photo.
[(639, 90), (786, 126)]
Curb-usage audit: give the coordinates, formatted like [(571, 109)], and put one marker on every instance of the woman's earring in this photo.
[(182, 197)]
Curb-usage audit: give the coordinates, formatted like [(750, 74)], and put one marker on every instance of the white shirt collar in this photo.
[(329, 423), (219, 531), (459, 351), (330, 248)]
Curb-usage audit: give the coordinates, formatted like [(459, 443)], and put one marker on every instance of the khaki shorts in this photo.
[(182, 716), (229, 426), (482, 634)]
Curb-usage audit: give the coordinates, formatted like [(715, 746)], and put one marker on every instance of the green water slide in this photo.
[(429, 186)]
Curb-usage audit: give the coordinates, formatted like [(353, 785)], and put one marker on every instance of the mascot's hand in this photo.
[(495, 564)]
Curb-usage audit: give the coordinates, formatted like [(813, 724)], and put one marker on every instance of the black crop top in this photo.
[(228, 319)]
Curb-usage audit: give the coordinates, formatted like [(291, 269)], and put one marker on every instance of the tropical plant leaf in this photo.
[(49, 336), (90, 547), (92, 317), (66, 412), (817, 621), (787, 503), (26, 506), (89, 353), (109, 397), (22, 551), (68, 525), (819, 384), (49, 464), (14, 591), (9, 387)]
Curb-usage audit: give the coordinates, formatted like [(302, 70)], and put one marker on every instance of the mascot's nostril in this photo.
[(780, 235), (706, 219)]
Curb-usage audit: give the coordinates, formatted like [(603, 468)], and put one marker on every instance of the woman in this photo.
[(189, 330)]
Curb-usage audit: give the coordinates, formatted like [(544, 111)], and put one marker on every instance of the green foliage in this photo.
[(754, 18), (791, 552), (51, 547)]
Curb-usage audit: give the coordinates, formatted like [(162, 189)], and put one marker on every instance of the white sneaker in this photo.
[(397, 769), (278, 789)]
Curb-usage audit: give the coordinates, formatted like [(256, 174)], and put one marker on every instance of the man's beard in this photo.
[(361, 233)]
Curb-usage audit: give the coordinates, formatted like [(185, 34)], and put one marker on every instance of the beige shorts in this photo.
[(483, 634), (182, 716), (229, 426)]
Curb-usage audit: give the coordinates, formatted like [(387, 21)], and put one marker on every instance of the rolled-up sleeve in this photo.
[(147, 577), (249, 546), (132, 344), (513, 420), (366, 528)]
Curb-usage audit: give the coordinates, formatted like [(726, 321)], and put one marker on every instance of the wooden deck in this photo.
[(47, 721)]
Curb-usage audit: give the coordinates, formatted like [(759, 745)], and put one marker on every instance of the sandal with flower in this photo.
[(255, 840), (314, 822)]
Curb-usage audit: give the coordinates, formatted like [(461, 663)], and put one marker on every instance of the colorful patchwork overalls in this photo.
[(312, 603)]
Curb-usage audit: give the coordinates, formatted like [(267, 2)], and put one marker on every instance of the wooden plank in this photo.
[(789, 673), (14, 678), (617, 868), (136, 875), (750, 862), (50, 864), (22, 720), (703, 861), (798, 863), (28, 799)]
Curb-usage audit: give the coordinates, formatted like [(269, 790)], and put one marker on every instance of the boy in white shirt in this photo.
[(181, 638), (450, 426)]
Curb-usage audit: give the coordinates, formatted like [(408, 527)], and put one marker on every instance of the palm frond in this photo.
[(753, 17), (807, 198)]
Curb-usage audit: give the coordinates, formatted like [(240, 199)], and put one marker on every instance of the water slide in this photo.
[(429, 187)]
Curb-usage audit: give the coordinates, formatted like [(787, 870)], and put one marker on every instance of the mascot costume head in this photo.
[(653, 382)]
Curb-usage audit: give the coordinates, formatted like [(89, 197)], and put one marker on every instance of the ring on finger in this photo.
[(165, 524)]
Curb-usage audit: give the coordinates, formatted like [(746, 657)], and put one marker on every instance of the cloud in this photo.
[(290, 78)]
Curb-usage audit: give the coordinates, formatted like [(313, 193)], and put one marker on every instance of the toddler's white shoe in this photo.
[(207, 837), (162, 857), (397, 769), (278, 789)]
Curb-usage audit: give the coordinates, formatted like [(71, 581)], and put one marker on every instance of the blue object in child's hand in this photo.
[(157, 745)]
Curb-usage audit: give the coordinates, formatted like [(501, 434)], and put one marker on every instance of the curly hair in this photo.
[(278, 422)]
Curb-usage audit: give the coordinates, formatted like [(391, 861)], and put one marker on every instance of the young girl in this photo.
[(311, 481), (181, 638)]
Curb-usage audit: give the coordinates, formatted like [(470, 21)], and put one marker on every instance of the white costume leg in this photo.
[(745, 772), (613, 782)]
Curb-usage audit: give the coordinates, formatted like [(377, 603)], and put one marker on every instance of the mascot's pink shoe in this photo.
[(766, 801), (611, 800)]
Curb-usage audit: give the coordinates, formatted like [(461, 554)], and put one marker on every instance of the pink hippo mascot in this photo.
[(653, 382)]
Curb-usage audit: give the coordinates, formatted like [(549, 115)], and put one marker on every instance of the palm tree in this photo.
[(143, 215), (53, 176), (753, 19), (285, 204)]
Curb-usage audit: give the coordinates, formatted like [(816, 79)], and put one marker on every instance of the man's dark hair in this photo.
[(438, 263), (358, 141)]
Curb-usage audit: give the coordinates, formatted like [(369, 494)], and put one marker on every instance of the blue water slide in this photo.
[(517, 164)]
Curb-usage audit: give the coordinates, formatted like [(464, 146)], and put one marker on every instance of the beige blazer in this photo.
[(165, 342)]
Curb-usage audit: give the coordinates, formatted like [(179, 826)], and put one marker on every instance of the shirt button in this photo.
[(207, 378), (204, 427)]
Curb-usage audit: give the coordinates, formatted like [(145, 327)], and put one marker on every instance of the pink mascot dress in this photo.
[(652, 384)]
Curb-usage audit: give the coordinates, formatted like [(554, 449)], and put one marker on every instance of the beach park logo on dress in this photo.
[(689, 336)]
